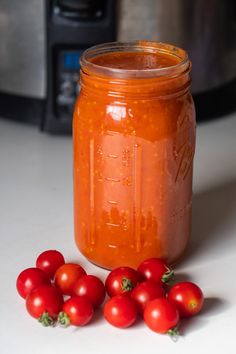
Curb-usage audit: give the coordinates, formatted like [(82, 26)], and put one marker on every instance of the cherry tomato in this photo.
[(92, 288), (29, 279), (187, 297), (66, 277), (49, 261), (77, 311), (44, 303), (161, 316), (144, 292), (121, 280), (155, 269), (120, 311)]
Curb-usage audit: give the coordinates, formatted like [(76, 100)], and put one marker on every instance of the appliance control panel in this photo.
[(67, 82), (72, 26)]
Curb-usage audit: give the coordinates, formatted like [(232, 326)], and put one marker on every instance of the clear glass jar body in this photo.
[(134, 142)]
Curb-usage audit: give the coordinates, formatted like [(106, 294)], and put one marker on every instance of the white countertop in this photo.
[(36, 214)]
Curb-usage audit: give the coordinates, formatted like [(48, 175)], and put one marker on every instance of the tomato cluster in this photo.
[(46, 287), (145, 291), (61, 292)]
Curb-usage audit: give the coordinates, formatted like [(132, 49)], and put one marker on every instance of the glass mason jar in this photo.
[(133, 142)]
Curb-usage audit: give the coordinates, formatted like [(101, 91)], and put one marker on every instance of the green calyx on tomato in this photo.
[(63, 319), (127, 284), (46, 320), (173, 333), (168, 276)]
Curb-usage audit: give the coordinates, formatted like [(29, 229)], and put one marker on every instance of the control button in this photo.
[(67, 88), (66, 76), (65, 100)]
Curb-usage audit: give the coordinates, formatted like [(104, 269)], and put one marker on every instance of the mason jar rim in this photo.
[(182, 66)]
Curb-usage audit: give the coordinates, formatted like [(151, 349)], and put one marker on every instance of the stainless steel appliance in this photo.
[(206, 29), (41, 42)]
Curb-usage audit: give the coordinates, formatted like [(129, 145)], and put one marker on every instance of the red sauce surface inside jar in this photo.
[(134, 141), (136, 60)]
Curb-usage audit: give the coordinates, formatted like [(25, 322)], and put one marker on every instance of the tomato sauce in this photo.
[(134, 142)]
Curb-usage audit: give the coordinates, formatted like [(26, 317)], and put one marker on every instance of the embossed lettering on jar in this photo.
[(134, 142)]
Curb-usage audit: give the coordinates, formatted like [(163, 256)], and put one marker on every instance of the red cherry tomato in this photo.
[(49, 261), (92, 288), (121, 280), (44, 303), (120, 311), (67, 275), (77, 311), (187, 297), (155, 269), (161, 316), (144, 292), (29, 279)]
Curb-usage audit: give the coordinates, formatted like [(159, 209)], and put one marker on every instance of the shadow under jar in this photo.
[(133, 142)]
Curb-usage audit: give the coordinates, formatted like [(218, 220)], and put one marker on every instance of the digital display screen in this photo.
[(71, 60)]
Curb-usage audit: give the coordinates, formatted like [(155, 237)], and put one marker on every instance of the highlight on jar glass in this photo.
[(133, 143)]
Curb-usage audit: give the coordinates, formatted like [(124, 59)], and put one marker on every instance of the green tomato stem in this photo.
[(174, 333), (63, 319), (46, 320), (168, 276), (127, 284)]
